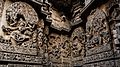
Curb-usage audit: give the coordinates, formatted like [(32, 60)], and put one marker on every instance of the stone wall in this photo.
[(59, 33)]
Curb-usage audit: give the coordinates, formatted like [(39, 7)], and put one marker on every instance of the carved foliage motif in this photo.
[(97, 31), (21, 29)]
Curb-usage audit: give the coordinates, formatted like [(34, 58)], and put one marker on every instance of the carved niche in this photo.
[(97, 33), (22, 32)]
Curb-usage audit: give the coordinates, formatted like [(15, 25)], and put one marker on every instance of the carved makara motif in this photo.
[(97, 30), (22, 29)]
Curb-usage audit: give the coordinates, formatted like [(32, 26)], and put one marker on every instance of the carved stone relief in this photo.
[(65, 47), (87, 2), (78, 46), (59, 49), (57, 19), (20, 33), (77, 7), (97, 32), (1, 7), (78, 42), (27, 39), (22, 65), (54, 49), (1, 11), (115, 25), (40, 37), (101, 64)]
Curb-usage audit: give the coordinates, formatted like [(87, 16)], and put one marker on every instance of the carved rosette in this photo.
[(22, 29), (97, 32)]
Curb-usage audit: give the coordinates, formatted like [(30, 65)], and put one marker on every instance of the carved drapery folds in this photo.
[(21, 29), (97, 32)]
